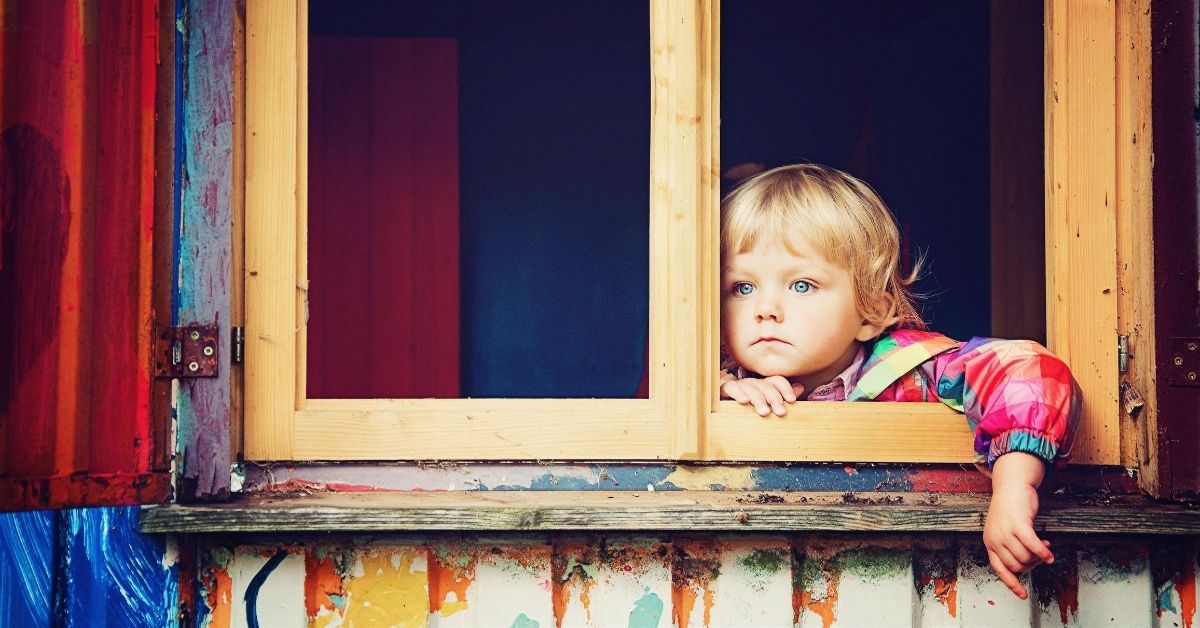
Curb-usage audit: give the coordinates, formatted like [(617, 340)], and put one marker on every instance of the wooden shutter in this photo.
[(79, 84)]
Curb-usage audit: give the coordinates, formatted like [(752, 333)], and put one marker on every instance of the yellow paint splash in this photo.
[(388, 588)]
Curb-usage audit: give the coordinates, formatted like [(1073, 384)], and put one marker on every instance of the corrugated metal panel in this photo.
[(77, 168), (737, 581)]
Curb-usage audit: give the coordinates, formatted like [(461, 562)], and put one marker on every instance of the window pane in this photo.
[(935, 103), (478, 185)]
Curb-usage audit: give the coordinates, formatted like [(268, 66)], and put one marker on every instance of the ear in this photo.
[(868, 330)]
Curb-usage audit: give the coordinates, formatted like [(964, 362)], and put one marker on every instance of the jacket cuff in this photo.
[(1026, 441)]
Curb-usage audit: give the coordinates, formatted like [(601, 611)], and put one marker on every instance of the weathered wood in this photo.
[(1081, 194), (204, 246), (694, 510)]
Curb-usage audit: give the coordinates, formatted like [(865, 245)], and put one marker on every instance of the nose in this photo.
[(766, 307)]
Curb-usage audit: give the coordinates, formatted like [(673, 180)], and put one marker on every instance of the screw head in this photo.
[(195, 335), (1178, 360), (1192, 346), (193, 366), (1191, 376), (208, 351)]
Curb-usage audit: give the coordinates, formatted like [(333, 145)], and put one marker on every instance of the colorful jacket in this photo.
[(1015, 394)]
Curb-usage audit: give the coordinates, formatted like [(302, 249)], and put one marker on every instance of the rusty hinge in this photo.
[(1185, 361), (189, 351)]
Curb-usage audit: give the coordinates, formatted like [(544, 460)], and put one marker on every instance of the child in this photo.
[(814, 307)]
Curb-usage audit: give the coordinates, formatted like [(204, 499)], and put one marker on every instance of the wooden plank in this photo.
[(841, 432), (237, 262), (1081, 193), (205, 244), (80, 490), (479, 429), (683, 197), (1135, 233), (675, 510), (271, 227)]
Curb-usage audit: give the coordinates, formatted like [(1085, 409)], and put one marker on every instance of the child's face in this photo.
[(790, 314)]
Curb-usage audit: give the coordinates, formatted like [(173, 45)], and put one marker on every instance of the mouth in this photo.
[(769, 340)]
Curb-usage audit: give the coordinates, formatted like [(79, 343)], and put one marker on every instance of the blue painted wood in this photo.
[(204, 177), (109, 575), (26, 567)]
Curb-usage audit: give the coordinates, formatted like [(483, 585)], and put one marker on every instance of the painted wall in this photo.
[(686, 580), (86, 567)]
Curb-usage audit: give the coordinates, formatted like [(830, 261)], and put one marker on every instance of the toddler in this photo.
[(814, 306)]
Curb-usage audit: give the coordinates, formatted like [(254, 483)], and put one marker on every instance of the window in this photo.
[(682, 418)]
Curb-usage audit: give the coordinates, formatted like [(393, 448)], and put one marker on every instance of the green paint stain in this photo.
[(873, 563), (762, 563), (220, 557), (647, 611), (523, 621), (808, 575)]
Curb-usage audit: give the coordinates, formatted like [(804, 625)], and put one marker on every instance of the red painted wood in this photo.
[(83, 489), (383, 218), (78, 125)]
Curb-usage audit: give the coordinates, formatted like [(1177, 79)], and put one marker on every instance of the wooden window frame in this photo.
[(1092, 96)]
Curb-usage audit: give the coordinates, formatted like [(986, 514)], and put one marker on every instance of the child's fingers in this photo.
[(1035, 545), (784, 387), (734, 391), (1006, 576), (756, 398)]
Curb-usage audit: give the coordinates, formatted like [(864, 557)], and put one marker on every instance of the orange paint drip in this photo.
[(220, 598), (826, 606), (320, 580), (445, 579), (694, 568), (683, 600), (1185, 584)]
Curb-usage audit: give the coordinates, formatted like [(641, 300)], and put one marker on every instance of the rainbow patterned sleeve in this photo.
[(1016, 395)]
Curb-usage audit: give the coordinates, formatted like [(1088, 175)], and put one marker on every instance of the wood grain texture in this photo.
[(1135, 233), (272, 141), (480, 429), (683, 201), (205, 244), (841, 432), (650, 511), (1081, 194)]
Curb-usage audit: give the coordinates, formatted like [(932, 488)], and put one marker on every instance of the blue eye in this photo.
[(801, 286), (743, 288)]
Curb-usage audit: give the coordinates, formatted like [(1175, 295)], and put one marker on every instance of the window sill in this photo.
[(601, 511)]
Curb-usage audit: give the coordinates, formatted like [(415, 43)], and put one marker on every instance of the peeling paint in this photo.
[(1059, 583), (695, 567), (934, 573)]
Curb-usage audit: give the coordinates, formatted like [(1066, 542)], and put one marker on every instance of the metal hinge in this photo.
[(237, 345), (188, 351), (1122, 354)]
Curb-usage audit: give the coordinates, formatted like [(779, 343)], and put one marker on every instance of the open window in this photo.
[(287, 417)]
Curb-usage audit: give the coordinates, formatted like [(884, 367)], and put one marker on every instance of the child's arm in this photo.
[(1025, 408), (1013, 546), (767, 394)]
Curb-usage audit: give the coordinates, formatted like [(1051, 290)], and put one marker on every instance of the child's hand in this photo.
[(1012, 545), (767, 395)]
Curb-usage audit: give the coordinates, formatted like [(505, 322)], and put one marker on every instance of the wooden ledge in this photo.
[(653, 511)]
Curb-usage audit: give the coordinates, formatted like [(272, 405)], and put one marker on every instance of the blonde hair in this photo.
[(839, 215)]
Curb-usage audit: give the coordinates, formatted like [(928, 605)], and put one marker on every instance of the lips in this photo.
[(770, 339)]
